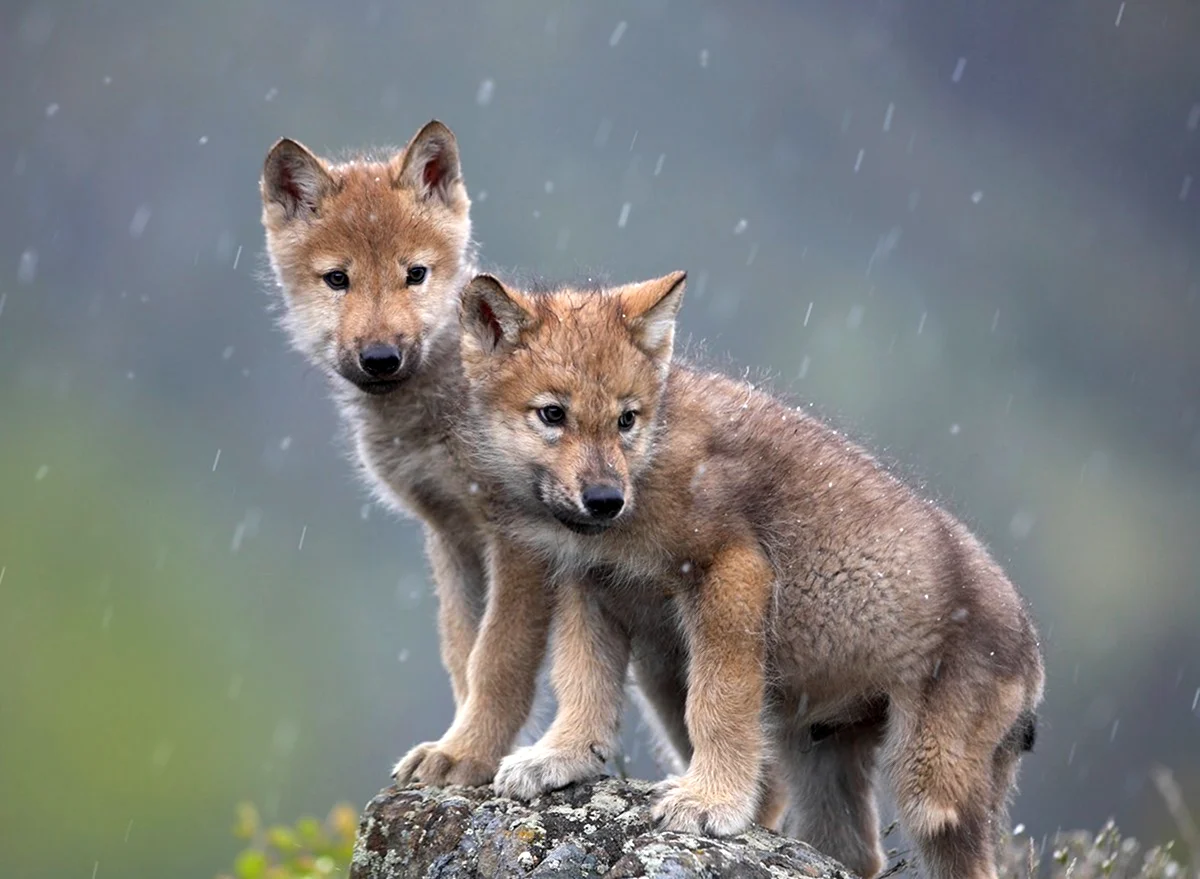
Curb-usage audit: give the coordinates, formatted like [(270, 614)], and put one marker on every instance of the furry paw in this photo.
[(538, 768), (441, 763), (679, 805)]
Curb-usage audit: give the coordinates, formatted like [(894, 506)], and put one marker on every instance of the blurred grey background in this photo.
[(969, 234)]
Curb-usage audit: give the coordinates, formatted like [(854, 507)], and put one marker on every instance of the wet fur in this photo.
[(373, 217), (766, 576)]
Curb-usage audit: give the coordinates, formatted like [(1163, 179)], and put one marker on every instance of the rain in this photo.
[(967, 239)]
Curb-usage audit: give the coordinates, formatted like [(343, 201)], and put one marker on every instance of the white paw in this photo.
[(538, 768), (680, 806)]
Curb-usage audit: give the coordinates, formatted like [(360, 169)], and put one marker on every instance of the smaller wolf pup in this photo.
[(827, 619), (371, 255)]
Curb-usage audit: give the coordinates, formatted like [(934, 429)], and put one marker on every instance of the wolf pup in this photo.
[(371, 256), (829, 618)]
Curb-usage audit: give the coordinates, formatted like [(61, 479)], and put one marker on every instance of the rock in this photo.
[(595, 829)]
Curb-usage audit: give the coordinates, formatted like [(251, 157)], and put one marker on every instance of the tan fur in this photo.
[(374, 220), (767, 574)]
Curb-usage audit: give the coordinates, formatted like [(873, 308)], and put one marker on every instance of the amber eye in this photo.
[(416, 275), (625, 420), (337, 279), (552, 415)]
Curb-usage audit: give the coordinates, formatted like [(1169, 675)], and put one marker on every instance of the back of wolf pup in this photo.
[(810, 591), (371, 255)]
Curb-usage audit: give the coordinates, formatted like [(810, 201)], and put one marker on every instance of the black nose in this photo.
[(603, 501), (379, 360)]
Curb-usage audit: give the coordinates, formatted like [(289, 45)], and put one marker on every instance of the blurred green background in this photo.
[(968, 235)]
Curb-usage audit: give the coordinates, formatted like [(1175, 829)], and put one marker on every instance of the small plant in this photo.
[(309, 849)]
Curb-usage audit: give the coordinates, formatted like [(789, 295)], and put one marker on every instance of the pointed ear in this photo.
[(493, 315), (294, 178), (649, 311), (429, 165)]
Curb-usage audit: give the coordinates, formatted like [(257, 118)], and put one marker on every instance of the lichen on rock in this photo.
[(595, 829)]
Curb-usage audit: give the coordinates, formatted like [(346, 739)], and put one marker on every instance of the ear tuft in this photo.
[(649, 310), (493, 314), (294, 178), (429, 165)]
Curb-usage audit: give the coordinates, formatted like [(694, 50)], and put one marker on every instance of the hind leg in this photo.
[(831, 784), (942, 746)]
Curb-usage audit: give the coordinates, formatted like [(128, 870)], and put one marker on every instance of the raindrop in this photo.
[(753, 253), (958, 614), (51, 110), (603, 130), (855, 317), (805, 362), (27, 266), (1120, 15), (624, 218), (473, 488), (162, 754), (658, 166), (108, 80), (995, 320), (237, 257), (482, 195), (704, 57), (403, 655), (227, 353), (1193, 119), (303, 534), (808, 313), (887, 117), (1018, 830), (977, 196), (549, 187), (858, 162), (216, 461), (42, 473), (203, 139), (955, 430), (1185, 188), (959, 69), (618, 32), (483, 96), (272, 94), (285, 444), (141, 217), (1021, 524), (685, 568), (741, 226), (364, 512), (921, 322), (1195, 698)]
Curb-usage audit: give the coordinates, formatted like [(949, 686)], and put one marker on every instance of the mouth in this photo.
[(377, 387), (582, 527)]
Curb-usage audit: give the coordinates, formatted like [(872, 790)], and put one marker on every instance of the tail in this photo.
[(1023, 734)]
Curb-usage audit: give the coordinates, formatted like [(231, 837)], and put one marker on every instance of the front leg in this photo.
[(461, 584), (726, 624), (588, 674), (501, 676)]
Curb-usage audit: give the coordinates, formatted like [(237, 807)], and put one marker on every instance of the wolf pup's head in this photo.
[(566, 389), (370, 254)]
